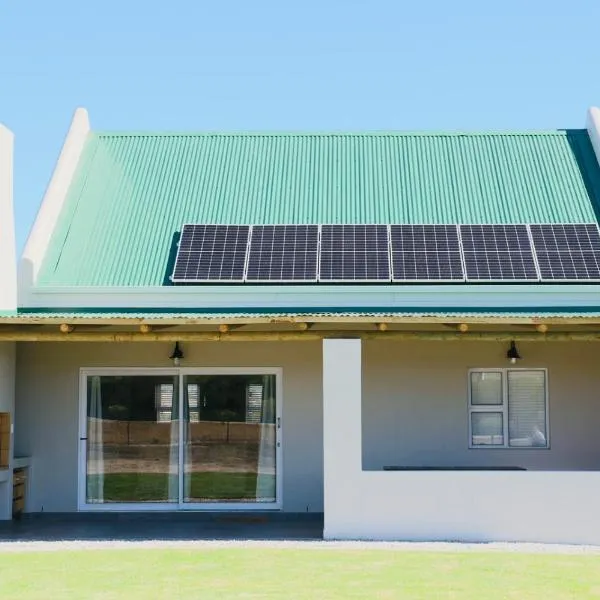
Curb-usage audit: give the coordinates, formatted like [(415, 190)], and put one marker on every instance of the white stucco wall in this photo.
[(47, 410), (414, 405), (532, 506), (7, 403)]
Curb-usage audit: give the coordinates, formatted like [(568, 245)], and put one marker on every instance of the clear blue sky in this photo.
[(272, 64)]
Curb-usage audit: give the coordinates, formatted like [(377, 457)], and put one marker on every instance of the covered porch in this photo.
[(393, 396)]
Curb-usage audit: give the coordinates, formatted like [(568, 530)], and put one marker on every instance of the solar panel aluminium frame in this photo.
[(354, 281), (561, 280), (221, 281), (428, 281), (496, 280), (278, 281)]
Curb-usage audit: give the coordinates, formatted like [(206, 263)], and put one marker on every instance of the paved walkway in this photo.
[(210, 531), (162, 526)]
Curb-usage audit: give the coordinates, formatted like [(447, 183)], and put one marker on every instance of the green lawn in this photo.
[(153, 487), (289, 574)]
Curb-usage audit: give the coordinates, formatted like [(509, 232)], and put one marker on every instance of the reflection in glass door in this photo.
[(141, 445), (132, 445), (229, 439)]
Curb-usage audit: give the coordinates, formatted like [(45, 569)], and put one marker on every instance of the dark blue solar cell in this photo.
[(211, 253), (354, 253), (498, 253), (425, 253), (283, 253)]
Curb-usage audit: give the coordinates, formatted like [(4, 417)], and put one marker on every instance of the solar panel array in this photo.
[(382, 253)]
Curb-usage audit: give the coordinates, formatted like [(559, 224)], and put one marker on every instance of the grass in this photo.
[(153, 487), (296, 574)]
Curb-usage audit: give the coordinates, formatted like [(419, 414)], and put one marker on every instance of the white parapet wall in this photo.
[(52, 203), (593, 128), (8, 264), (480, 506)]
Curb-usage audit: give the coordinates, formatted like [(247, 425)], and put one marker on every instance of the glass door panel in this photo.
[(132, 447), (229, 439)]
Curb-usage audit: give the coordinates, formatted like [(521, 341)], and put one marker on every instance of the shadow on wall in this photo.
[(584, 155), (171, 259)]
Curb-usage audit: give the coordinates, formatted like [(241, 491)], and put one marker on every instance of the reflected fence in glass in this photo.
[(228, 450), (132, 439), (230, 439)]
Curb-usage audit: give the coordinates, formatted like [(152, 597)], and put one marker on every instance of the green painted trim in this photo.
[(442, 311)]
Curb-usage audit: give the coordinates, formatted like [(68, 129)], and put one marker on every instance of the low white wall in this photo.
[(444, 505)]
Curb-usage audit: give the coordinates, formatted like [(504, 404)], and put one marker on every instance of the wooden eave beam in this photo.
[(280, 336), (310, 319)]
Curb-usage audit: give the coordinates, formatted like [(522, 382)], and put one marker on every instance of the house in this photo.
[(412, 352)]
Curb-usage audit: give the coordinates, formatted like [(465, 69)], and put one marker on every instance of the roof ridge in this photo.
[(507, 133)]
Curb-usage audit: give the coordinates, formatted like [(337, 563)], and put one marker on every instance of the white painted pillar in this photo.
[(593, 128), (8, 259), (342, 430), (8, 302)]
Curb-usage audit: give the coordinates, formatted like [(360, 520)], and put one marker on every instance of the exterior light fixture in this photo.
[(177, 355), (513, 354)]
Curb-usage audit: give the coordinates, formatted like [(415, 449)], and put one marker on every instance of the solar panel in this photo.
[(498, 253), (354, 253), (567, 252), (426, 253), (283, 253), (211, 253)]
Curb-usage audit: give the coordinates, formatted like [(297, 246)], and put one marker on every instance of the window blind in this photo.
[(527, 408)]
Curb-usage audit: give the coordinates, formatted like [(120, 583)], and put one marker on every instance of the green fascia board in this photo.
[(133, 191)]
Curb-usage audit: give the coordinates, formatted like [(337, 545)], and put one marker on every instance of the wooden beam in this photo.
[(281, 336), (542, 328), (66, 328), (382, 326), (257, 320)]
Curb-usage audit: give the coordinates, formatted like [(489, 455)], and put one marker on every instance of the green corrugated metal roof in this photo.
[(132, 192)]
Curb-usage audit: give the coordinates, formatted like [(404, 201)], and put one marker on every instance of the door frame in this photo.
[(83, 505)]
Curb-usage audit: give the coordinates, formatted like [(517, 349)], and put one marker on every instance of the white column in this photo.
[(342, 431), (8, 261), (7, 404)]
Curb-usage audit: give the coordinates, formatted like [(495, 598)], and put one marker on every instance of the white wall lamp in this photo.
[(513, 354), (177, 355)]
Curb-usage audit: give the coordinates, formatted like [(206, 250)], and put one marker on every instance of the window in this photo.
[(508, 408)]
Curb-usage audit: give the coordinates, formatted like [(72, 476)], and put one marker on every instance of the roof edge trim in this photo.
[(53, 201)]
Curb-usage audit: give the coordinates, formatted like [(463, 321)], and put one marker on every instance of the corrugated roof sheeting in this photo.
[(303, 315), (132, 192)]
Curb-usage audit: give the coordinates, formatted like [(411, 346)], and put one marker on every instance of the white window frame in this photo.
[(180, 506), (503, 408)]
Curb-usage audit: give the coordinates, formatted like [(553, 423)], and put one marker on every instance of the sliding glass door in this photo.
[(230, 444), (143, 448)]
